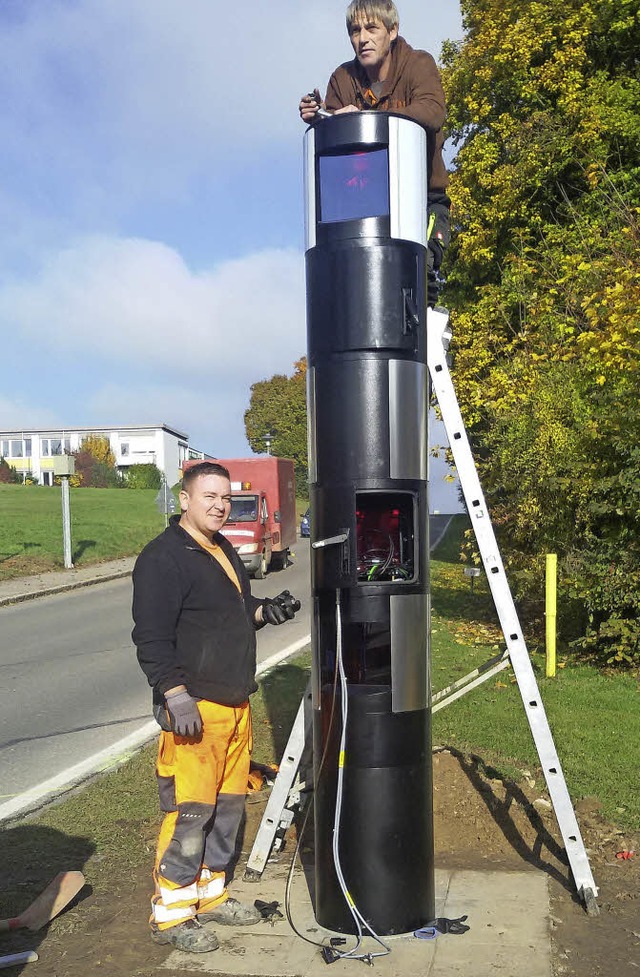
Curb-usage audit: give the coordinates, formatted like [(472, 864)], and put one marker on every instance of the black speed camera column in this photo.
[(366, 217)]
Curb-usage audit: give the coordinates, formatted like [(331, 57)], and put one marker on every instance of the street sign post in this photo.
[(64, 466), (165, 501)]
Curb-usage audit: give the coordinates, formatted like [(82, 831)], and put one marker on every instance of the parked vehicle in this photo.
[(262, 524), (305, 524)]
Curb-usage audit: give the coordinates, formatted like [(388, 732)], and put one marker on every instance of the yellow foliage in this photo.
[(100, 448)]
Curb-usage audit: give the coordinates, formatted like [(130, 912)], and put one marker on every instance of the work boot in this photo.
[(189, 936), (231, 913)]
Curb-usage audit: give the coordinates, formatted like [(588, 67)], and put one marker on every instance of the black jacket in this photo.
[(192, 626)]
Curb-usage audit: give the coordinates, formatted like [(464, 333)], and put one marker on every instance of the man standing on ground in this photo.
[(388, 75), (195, 622)]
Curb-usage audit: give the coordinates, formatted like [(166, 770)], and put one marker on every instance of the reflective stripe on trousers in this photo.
[(202, 785)]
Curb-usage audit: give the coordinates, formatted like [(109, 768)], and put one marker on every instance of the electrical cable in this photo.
[(385, 566), (287, 890), (289, 883), (378, 569), (359, 920)]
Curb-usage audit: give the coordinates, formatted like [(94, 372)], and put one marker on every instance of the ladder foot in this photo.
[(592, 907), (251, 875)]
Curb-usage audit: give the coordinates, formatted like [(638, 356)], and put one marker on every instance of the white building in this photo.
[(34, 450)]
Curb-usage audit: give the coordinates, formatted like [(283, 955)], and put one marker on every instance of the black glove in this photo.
[(184, 714), (277, 610), (268, 910), (455, 926)]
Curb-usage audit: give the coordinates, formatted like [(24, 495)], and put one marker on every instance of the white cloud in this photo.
[(136, 302), (120, 84), (161, 67)]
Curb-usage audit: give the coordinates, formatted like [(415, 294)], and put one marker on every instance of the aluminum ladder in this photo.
[(516, 654)]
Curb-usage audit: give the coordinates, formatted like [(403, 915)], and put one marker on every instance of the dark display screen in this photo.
[(354, 186)]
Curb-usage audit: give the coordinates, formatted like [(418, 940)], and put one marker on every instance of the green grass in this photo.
[(105, 524), (106, 829), (594, 717), (448, 548), (275, 705)]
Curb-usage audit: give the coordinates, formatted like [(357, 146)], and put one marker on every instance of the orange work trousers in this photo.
[(202, 783)]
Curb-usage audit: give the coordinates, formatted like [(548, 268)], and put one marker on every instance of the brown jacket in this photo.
[(412, 88)]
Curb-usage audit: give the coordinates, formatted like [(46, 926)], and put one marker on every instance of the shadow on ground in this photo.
[(31, 856), (518, 820), (283, 689), (24, 548), (82, 546)]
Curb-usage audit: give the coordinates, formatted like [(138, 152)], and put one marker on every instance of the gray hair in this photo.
[(383, 10)]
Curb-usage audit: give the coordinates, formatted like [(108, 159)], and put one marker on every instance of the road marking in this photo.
[(112, 755), (281, 656), (36, 796), (434, 542), (118, 752)]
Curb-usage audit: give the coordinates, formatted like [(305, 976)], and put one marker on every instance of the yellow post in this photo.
[(550, 612)]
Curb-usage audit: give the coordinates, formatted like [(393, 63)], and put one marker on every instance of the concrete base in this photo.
[(508, 913)]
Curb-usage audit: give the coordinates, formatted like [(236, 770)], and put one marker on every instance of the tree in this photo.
[(8, 474), (100, 448), (544, 286), (278, 408), (146, 476), (95, 464)]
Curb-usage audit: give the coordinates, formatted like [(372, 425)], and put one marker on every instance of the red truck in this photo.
[(262, 524)]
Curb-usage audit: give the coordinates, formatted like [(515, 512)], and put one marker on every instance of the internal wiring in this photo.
[(383, 570), (385, 566), (379, 568)]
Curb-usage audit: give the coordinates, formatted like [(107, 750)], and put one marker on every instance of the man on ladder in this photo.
[(388, 75)]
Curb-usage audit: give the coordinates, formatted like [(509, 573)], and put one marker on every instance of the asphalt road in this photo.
[(70, 685)]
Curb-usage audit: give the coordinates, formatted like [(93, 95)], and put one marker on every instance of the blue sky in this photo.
[(151, 264)]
